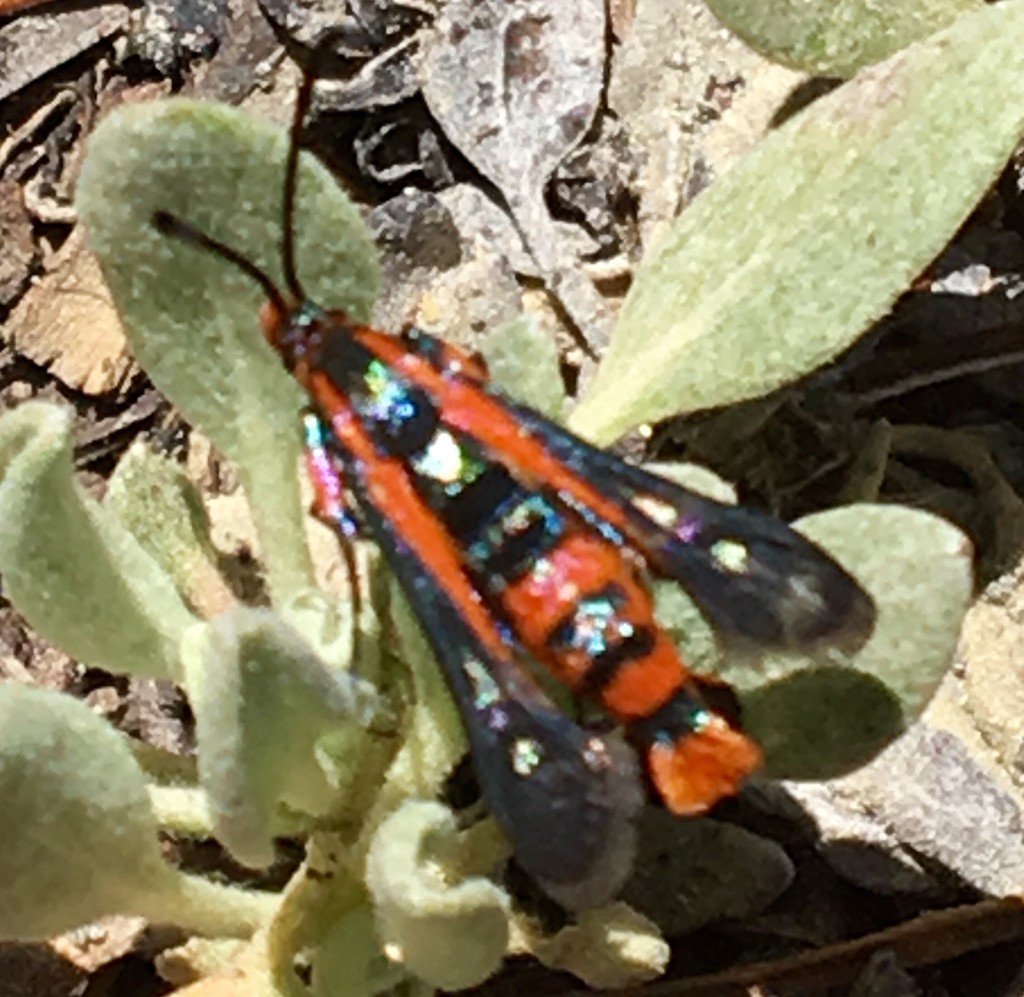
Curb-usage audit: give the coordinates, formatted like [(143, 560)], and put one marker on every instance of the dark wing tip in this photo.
[(616, 796), (844, 618), (757, 580), (571, 817)]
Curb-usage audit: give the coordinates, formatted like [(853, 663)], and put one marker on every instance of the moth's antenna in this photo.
[(291, 176), (171, 225), (321, 51)]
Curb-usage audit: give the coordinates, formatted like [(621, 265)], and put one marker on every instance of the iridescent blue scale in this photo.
[(523, 516), (323, 470), (389, 398), (596, 619)]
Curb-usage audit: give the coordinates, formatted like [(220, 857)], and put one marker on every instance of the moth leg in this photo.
[(331, 507)]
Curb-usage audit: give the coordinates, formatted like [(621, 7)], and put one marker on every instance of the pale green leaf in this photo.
[(262, 701), (820, 717), (817, 722), (192, 318), (783, 262), (434, 739), (80, 841), (69, 565), (80, 837), (153, 497), (523, 360), (608, 947), (451, 934), (348, 962), (835, 37)]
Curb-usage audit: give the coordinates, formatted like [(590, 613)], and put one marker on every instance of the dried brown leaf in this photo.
[(67, 323), (515, 87)]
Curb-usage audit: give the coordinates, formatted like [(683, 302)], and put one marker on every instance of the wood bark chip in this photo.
[(14, 6), (246, 54), (168, 33), (357, 28), (16, 239), (32, 46), (94, 946), (101, 437), (376, 44)]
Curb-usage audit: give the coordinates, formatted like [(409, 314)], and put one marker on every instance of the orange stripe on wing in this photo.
[(467, 409), (390, 489)]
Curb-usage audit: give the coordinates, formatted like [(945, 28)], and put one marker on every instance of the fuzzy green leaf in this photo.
[(523, 360), (153, 497), (817, 723), (830, 38), (453, 935), (785, 260), (347, 960), (80, 841), (192, 318), (80, 837), (73, 571), (819, 718), (262, 701)]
